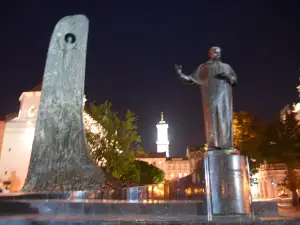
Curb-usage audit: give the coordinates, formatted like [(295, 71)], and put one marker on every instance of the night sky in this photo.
[(133, 46)]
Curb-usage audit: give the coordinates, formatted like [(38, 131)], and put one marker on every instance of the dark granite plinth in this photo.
[(101, 207), (265, 208), (105, 198), (73, 195), (142, 220), (61, 211)]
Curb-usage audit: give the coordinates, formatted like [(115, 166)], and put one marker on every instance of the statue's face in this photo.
[(215, 53)]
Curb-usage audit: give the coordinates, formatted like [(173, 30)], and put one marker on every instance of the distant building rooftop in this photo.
[(152, 155), (176, 158), (10, 116), (37, 87)]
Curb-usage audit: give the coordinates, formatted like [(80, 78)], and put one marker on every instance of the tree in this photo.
[(281, 144), (114, 142), (149, 174), (248, 133)]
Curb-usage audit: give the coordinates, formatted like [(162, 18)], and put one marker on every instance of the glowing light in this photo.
[(296, 108), (28, 136), (162, 137), (188, 191), (92, 125)]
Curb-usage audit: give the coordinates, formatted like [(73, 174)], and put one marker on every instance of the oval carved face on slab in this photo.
[(70, 38), (70, 30)]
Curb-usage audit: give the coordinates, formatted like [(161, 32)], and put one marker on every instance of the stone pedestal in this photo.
[(227, 183)]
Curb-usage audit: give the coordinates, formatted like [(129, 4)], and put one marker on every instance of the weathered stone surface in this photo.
[(60, 160)]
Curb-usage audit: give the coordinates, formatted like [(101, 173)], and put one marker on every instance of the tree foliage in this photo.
[(115, 146), (248, 133), (277, 141), (149, 174), (281, 144)]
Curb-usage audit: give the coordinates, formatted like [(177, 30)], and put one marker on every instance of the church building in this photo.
[(16, 138)]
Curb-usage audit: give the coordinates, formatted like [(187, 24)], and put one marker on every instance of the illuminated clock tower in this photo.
[(162, 136)]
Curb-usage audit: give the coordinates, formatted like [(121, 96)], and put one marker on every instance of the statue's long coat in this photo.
[(217, 102)]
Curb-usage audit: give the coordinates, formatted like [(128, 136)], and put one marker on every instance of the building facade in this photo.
[(18, 138), (173, 167), (195, 155), (177, 167), (17, 141), (270, 182), (2, 127)]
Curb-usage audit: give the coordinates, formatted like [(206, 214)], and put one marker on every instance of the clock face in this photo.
[(32, 112)]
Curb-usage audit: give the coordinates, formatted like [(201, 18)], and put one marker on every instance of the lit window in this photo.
[(180, 175), (185, 174)]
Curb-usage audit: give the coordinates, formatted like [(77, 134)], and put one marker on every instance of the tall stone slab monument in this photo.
[(226, 171), (60, 160)]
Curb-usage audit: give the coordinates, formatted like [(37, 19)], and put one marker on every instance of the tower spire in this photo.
[(162, 118)]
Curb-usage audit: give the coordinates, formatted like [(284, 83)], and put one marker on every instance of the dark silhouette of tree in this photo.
[(281, 144)]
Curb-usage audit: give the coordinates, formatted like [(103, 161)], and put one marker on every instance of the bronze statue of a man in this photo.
[(216, 79)]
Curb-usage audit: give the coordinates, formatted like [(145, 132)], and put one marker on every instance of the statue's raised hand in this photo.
[(178, 69)]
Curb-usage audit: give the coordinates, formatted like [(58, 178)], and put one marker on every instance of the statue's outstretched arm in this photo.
[(192, 78)]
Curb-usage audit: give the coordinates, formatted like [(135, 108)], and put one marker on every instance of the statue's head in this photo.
[(214, 53)]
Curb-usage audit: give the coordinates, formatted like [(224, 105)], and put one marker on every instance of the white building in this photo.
[(162, 136), (270, 182), (17, 141), (18, 138)]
